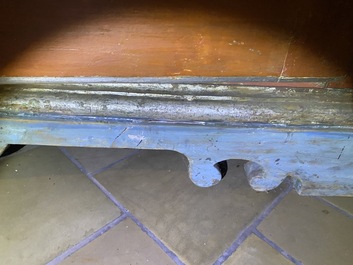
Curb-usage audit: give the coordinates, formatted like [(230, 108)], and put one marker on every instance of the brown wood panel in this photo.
[(175, 38), (155, 46), (188, 38), (322, 45)]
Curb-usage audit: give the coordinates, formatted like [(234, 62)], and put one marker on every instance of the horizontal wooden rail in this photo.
[(302, 133)]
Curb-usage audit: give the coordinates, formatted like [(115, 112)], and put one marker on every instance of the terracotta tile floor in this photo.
[(115, 206)]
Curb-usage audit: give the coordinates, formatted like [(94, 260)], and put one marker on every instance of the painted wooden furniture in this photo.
[(301, 133), (265, 81)]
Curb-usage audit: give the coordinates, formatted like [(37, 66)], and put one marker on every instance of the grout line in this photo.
[(73, 160), (170, 253), (87, 240), (124, 210), (135, 152), (276, 247), (108, 194), (83, 170), (266, 212), (247, 231), (337, 208), (95, 181)]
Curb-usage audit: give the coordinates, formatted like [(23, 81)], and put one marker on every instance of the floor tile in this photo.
[(255, 251), (198, 224), (46, 206), (94, 159), (27, 148), (311, 231), (345, 203), (123, 244)]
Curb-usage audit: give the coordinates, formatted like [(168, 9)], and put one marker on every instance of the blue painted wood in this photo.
[(319, 161), (305, 134)]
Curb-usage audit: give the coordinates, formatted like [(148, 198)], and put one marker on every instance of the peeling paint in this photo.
[(301, 133), (136, 137)]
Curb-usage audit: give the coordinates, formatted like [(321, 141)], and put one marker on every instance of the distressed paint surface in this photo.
[(301, 133), (320, 161), (183, 102)]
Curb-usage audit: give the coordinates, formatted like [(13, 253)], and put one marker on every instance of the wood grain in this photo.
[(176, 38)]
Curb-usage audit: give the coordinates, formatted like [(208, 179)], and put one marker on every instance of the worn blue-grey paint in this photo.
[(305, 134), (320, 161)]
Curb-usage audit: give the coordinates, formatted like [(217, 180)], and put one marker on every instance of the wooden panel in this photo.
[(323, 43), (303, 133), (184, 38), (174, 38)]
